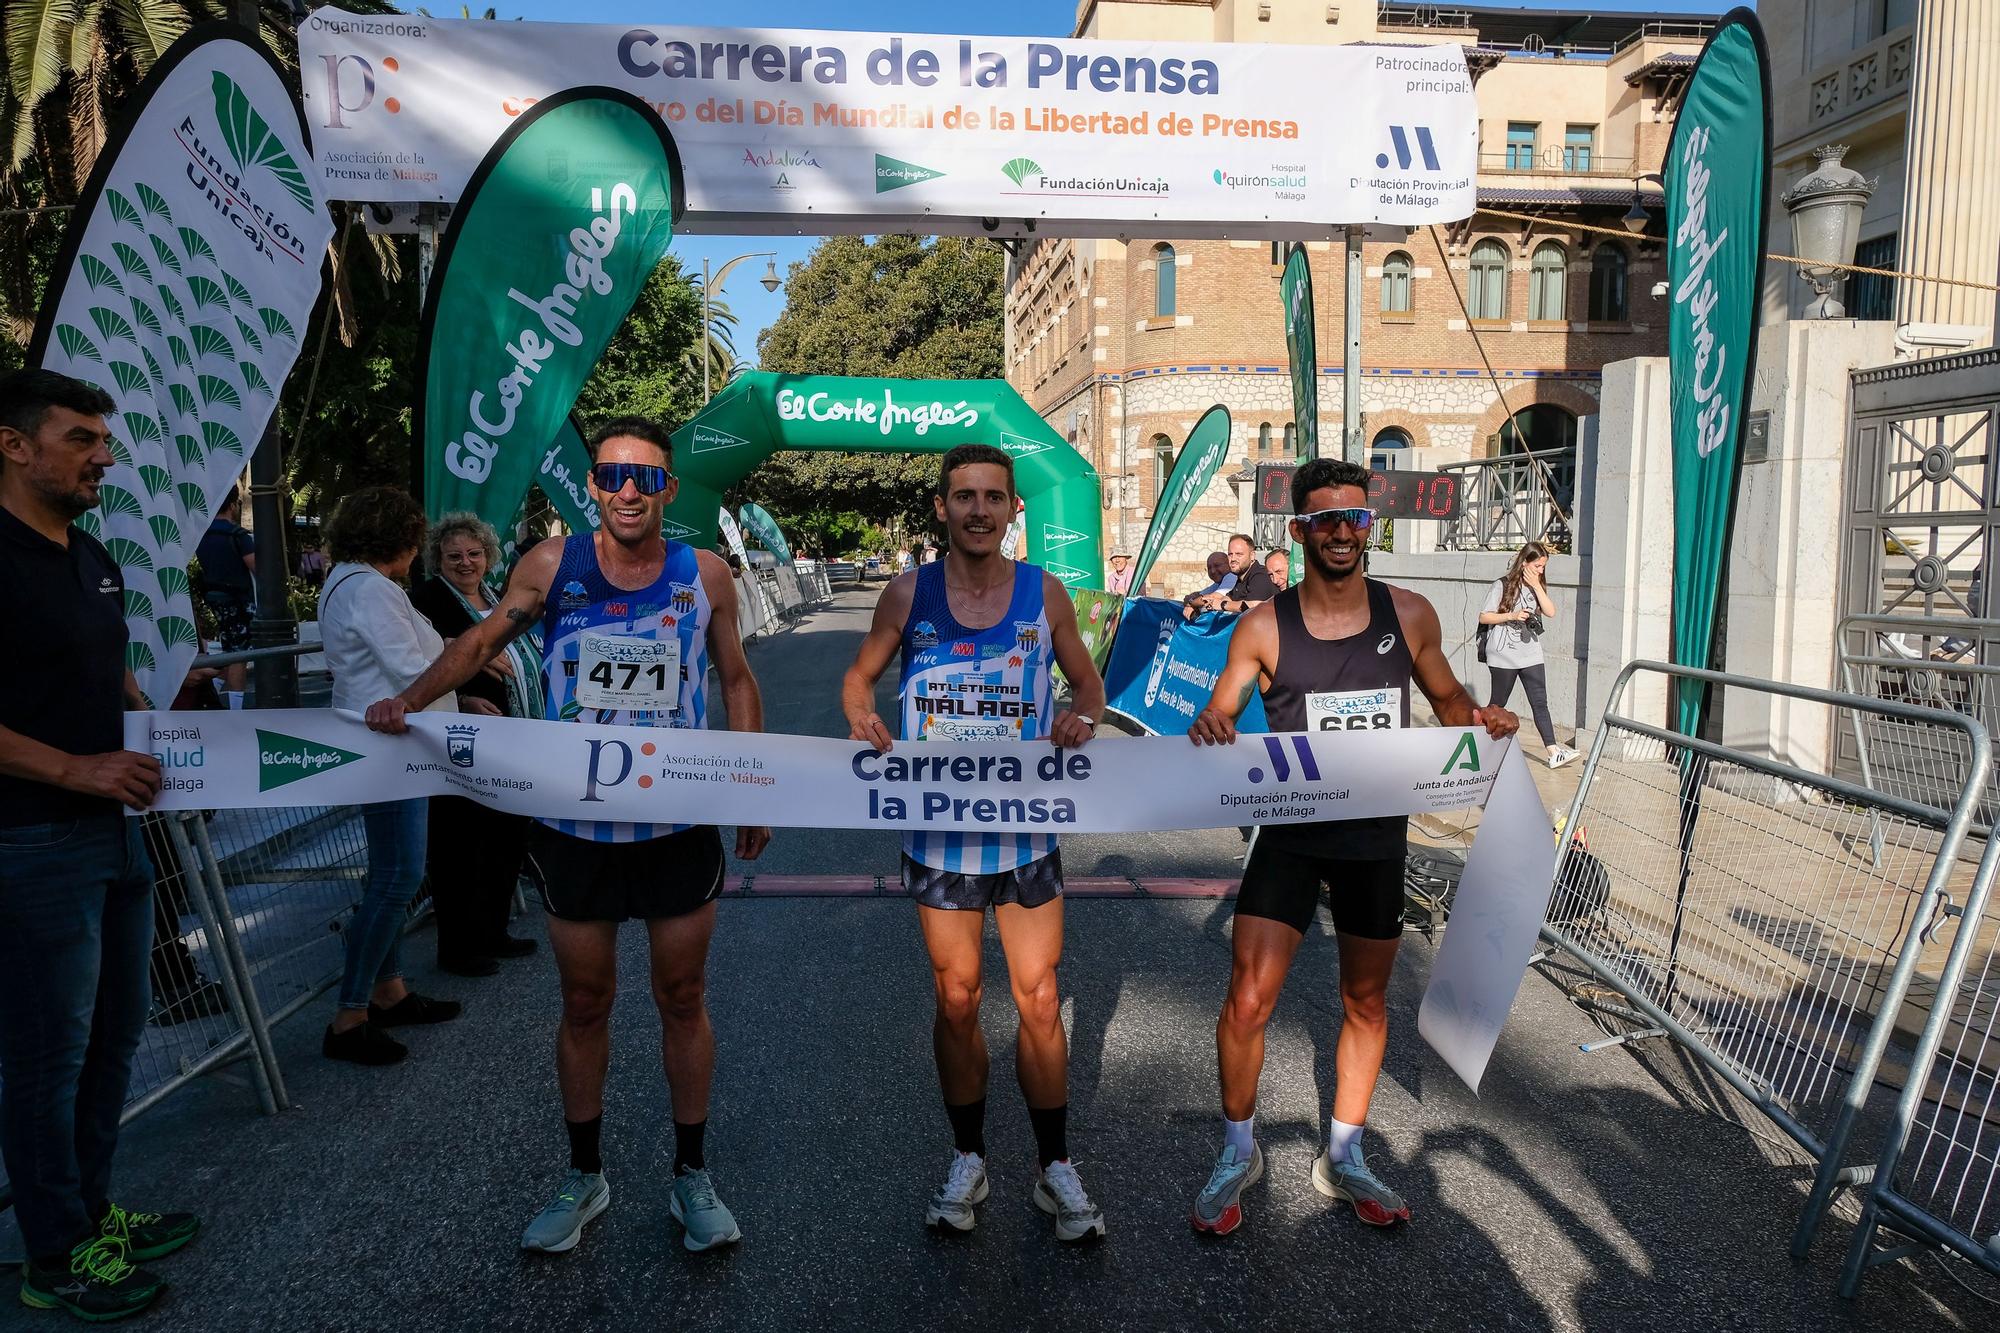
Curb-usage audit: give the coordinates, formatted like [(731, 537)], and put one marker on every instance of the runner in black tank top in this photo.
[(1339, 652)]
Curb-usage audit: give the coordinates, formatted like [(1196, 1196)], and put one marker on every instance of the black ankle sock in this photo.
[(687, 1146), (1051, 1125), (968, 1126), (584, 1136)]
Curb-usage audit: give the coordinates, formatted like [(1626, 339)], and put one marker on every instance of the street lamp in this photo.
[(1636, 216), (771, 282), (1826, 222)]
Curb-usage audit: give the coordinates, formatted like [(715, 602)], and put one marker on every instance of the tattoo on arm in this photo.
[(1243, 697)]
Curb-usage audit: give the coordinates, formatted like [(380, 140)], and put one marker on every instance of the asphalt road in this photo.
[(1599, 1192)]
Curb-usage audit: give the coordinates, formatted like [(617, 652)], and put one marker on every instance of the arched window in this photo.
[(1163, 282), (1607, 285), (1382, 450), (1264, 440), (1396, 284), (1291, 440), (1486, 294), (1163, 463), (1546, 272)]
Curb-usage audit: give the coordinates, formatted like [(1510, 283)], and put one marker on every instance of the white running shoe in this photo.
[(965, 1187), (1560, 755), (558, 1227), (1059, 1192)]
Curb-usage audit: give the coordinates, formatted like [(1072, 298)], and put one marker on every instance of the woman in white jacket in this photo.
[(376, 643)]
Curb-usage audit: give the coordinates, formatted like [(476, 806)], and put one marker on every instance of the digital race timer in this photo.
[(1390, 495)]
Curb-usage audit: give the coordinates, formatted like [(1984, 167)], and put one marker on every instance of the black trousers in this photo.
[(474, 860), (1535, 680)]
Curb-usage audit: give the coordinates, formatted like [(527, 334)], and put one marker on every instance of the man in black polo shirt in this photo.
[(76, 912), (1253, 585)]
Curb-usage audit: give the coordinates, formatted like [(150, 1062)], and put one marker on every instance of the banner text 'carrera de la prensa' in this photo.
[(759, 413), (188, 271), (828, 132), (559, 228), (1715, 182)]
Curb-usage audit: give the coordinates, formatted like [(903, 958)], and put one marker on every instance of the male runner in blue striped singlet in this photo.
[(621, 598), (979, 635)]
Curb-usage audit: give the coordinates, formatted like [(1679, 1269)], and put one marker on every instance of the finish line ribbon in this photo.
[(237, 760)]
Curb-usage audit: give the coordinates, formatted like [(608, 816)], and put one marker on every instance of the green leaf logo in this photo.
[(250, 336), (153, 368), (283, 759), (212, 342), (128, 376), (139, 657), (98, 274), (119, 453), (252, 143), (192, 500), (174, 582), (178, 630), (91, 524), (173, 305), (206, 293), (145, 318), (156, 478), (150, 200), (131, 261), (128, 553), (166, 532), (165, 254), (189, 449), (276, 324), (112, 324), (184, 401), (253, 378), (138, 606), (239, 293), (76, 344), (1020, 169), (121, 209), (196, 245), (221, 437), (215, 389), (119, 501), (142, 428)]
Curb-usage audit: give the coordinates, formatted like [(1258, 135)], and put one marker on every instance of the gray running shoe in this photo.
[(1374, 1202), (559, 1226), (706, 1221), (1059, 1192), (952, 1205), (1218, 1209)]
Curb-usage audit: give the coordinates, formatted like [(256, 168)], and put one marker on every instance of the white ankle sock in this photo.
[(1343, 1141), (1240, 1134)]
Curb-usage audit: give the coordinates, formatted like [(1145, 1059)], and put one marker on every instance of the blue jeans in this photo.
[(396, 838), (76, 927)]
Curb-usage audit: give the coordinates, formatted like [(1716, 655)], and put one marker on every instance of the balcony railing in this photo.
[(1558, 160), (1511, 500)]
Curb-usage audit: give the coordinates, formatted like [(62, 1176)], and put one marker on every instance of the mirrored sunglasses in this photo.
[(1326, 520), (650, 478)]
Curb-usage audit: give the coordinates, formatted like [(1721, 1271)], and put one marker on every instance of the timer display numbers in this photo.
[(1409, 495)]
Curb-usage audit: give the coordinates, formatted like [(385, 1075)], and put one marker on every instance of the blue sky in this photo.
[(754, 308)]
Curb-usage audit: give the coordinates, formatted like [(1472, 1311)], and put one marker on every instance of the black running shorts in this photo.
[(1282, 885), (1031, 885), (664, 877)]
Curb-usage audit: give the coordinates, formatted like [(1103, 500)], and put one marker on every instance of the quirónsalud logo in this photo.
[(283, 760), (251, 142)]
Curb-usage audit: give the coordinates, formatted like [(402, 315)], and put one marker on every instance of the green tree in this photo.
[(646, 369), (897, 306)]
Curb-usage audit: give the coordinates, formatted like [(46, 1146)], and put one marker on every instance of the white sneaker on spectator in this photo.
[(1560, 755)]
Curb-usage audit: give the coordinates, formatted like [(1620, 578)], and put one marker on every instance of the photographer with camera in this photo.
[(1510, 640)]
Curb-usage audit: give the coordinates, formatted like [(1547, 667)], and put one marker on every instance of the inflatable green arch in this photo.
[(761, 413)]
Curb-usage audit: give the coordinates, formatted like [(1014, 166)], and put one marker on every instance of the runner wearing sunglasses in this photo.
[(606, 602), (1336, 652)]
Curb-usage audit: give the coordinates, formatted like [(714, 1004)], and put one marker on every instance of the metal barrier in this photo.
[(1506, 501), (1730, 900)]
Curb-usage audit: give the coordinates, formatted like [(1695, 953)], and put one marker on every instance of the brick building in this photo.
[(1121, 346)]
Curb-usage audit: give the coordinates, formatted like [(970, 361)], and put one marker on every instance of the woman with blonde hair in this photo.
[(476, 852), (1518, 609)]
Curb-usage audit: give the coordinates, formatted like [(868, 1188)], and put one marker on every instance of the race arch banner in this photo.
[(829, 132), (686, 775), (562, 223), (185, 280)]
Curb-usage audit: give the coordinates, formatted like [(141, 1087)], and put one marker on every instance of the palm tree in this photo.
[(723, 365)]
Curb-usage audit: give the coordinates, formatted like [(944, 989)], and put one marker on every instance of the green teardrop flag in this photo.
[(1194, 468)]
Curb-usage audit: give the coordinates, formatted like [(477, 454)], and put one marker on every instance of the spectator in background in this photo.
[(474, 852), (1278, 565), (1518, 607), (76, 888), (1220, 581), (375, 645), (313, 564), (1253, 582), (1120, 579), (228, 557)]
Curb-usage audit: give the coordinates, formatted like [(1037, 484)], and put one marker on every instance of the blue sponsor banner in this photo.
[(1164, 667)]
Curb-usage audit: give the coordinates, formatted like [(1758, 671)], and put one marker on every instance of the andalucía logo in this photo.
[(779, 157), (458, 742), (893, 174), (283, 760)]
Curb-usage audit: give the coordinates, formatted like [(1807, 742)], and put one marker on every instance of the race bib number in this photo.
[(1355, 710), (628, 674)]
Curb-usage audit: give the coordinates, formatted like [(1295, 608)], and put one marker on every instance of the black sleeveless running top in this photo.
[(1360, 683)]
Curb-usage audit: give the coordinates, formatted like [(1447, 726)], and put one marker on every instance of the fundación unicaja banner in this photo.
[(559, 228), (185, 280), (1194, 467), (1717, 166)]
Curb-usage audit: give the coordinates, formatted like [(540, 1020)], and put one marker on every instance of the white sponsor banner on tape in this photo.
[(660, 775), (789, 130)]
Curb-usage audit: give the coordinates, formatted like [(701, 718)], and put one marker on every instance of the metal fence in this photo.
[(1511, 499), (1734, 903), (1934, 662)]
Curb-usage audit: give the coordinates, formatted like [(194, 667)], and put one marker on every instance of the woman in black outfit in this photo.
[(475, 852)]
